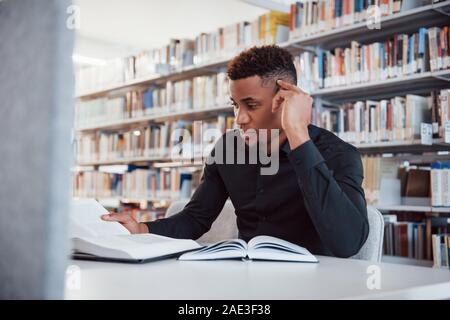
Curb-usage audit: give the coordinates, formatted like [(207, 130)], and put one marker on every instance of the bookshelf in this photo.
[(402, 146), (416, 83), (184, 73), (402, 22), (407, 208), (115, 202), (163, 116), (366, 148), (133, 160), (407, 22)]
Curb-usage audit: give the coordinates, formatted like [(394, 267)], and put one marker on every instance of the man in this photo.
[(315, 198)]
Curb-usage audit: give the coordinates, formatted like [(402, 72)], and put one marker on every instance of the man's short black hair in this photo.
[(269, 62)]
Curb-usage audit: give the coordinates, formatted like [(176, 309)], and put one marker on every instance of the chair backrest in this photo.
[(175, 207), (224, 227), (373, 247)]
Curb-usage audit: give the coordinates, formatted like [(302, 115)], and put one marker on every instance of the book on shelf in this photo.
[(199, 93), (412, 235), (381, 172), (222, 43), (147, 63), (401, 54), (439, 48), (100, 110), (404, 238), (159, 141), (209, 91), (258, 248), (172, 57), (395, 119), (179, 95), (440, 241), (441, 114), (441, 250), (309, 17), (389, 181), (440, 184), (274, 27), (138, 183), (95, 239), (416, 184), (307, 74), (227, 41), (397, 56)]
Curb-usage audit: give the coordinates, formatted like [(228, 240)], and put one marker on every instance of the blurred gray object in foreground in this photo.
[(36, 106)]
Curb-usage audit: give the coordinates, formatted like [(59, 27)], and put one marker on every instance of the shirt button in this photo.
[(261, 190)]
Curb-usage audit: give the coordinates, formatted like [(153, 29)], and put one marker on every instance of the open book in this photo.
[(258, 248), (95, 239)]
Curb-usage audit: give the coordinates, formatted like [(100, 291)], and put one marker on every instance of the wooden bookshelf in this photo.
[(192, 114)]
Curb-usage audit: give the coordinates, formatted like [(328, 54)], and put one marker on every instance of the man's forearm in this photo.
[(341, 224), (181, 226), (337, 207)]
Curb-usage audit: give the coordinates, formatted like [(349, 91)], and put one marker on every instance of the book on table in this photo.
[(258, 248), (95, 239)]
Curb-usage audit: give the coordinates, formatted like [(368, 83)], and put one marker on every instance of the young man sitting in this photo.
[(314, 197)]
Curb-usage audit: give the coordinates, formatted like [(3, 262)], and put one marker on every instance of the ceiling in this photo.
[(111, 28)]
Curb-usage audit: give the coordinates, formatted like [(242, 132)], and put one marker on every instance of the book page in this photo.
[(227, 249), (271, 248), (85, 220)]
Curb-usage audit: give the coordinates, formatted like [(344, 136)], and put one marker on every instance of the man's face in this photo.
[(253, 107)]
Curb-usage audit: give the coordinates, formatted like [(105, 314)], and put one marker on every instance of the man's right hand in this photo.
[(127, 221)]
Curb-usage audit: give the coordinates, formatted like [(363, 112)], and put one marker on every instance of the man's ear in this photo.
[(276, 112), (277, 100)]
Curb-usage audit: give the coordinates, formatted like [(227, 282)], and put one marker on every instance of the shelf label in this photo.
[(447, 132), (426, 133)]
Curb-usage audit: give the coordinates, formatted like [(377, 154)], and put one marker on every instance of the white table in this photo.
[(332, 278)]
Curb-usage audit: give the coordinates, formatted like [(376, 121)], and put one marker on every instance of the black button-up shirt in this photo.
[(314, 200)]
